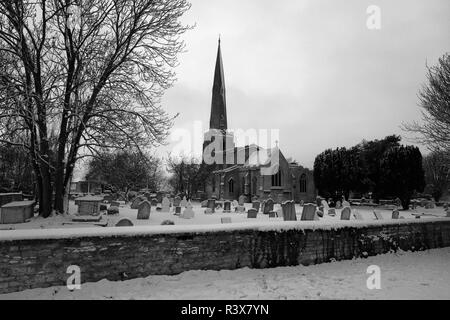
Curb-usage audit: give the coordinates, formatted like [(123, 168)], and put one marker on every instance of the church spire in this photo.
[(218, 118)]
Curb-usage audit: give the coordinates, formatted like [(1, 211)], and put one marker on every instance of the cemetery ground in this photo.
[(404, 275), (203, 220)]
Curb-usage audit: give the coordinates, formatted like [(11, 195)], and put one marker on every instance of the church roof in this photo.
[(218, 118)]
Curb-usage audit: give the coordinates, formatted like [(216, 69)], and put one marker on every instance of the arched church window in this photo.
[(231, 186), (276, 179), (303, 183)]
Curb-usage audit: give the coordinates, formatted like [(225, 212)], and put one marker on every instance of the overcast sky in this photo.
[(311, 69)]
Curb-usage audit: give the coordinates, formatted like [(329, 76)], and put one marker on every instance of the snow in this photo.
[(404, 275), (61, 226)]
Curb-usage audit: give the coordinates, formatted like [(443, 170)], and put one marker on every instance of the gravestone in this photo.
[(211, 205), (176, 201), (135, 203), (319, 213), (240, 209), (331, 212), (235, 203), (325, 206), (177, 210), (225, 220), (165, 205), (226, 206), (144, 210), (241, 200), (252, 213), (124, 222), (112, 210), (288, 210), (188, 213), (278, 209), (273, 214), (255, 205), (159, 207), (309, 212), (395, 214), (183, 203), (154, 202), (345, 213), (358, 215), (338, 205), (377, 215), (268, 206), (204, 203), (430, 205)]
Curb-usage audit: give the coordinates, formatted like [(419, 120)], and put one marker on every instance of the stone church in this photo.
[(251, 170)]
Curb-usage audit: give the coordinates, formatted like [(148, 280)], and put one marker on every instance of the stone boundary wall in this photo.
[(33, 261)]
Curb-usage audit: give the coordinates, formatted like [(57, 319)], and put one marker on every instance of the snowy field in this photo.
[(404, 275), (156, 217)]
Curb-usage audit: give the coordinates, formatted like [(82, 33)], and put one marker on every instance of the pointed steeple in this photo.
[(218, 118)]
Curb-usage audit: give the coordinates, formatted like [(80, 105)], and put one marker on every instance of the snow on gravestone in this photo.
[(325, 205), (188, 213), (377, 215), (288, 208), (309, 212), (345, 213), (144, 210), (278, 209), (395, 214), (268, 206), (183, 202), (165, 205), (124, 222), (252, 213)]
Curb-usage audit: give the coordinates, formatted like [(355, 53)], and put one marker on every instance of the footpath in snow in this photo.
[(404, 275)]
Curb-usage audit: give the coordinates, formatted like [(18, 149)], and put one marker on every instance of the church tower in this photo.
[(218, 125)]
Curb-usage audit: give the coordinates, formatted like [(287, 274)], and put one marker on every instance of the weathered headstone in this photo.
[(183, 203), (345, 213), (288, 210), (309, 212), (332, 212), (377, 215), (252, 213), (268, 206), (177, 210), (278, 209), (188, 213), (430, 205), (395, 214), (338, 205), (176, 201), (154, 202), (135, 203), (165, 205), (144, 210), (124, 222), (241, 200), (273, 214), (211, 204), (226, 206), (225, 220), (255, 205)]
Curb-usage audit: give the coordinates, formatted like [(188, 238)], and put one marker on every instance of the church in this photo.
[(251, 170)]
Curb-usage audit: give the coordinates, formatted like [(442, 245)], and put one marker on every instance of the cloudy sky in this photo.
[(311, 69)]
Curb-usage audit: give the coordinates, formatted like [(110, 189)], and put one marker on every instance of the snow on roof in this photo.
[(67, 233)]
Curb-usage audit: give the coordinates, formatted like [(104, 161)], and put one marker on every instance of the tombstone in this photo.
[(273, 214), (226, 206), (154, 202), (114, 204), (241, 200), (318, 201), (395, 214), (144, 210), (288, 210), (325, 205), (268, 206), (338, 205), (345, 213), (255, 205), (331, 212), (112, 210), (225, 220), (124, 222), (377, 215), (159, 207), (309, 212), (211, 205), (176, 201), (357, 215), (345, 204), (183, 203), (188, 213), (177, 210), (320, 208), (135, 203), (208, 211), (240, 209), (204, 203), (319, 213), (165, 205), (429, 205), (252, 213), (278, 209)]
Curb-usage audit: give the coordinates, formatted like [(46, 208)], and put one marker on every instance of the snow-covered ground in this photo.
[(156, 217), (404, 275)]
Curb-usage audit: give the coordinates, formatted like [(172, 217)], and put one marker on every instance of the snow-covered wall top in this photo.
[(35, 234)]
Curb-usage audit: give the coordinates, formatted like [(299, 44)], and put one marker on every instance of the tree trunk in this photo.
[(45, 206), (60, 191)]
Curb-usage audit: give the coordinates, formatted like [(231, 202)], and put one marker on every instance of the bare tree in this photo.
[(434, 131), (437, 173), (92, 72)]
